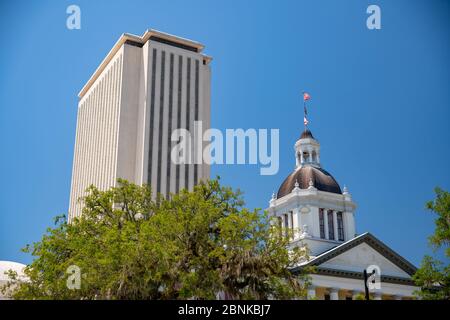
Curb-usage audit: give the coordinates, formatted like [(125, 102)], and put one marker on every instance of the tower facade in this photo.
[(311, 203), (145, 88)]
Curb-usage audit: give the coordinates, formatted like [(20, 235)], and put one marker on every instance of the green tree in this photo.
[(193, 245), (433, 276)]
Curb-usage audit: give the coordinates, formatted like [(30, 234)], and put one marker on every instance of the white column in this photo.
[(334, 293), (296, 220), (349, 225), (335, 225), (290, 219), (325, 221), (311, 292), (289, 224)]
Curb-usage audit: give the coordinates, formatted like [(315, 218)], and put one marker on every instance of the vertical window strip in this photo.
[(151, 121), (322, 224), (340, 225), (188, 119), (196, 119), (180, 79), (286, 225), (161, 120), (169, 142), (330, 225), (291, 216), (280, 225)]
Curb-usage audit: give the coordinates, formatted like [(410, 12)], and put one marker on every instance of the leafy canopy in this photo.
[(433, 276), (194, 245)]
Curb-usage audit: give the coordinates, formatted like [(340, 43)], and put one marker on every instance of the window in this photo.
[(322, 223), (305, 157), (280, 226), (330, 225), (291, 215), (286, 225), (340, 225)]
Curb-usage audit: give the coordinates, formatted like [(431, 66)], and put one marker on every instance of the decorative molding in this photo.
[(360, 276)]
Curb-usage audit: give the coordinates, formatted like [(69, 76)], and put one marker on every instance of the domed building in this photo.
[(311, 203)]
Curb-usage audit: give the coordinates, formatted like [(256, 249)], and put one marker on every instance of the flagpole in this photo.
[(304, 113), (305, 123)]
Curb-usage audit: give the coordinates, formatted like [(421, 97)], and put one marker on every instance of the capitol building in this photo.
[(311, 203)]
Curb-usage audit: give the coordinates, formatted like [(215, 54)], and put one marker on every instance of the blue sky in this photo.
[(380, 99)]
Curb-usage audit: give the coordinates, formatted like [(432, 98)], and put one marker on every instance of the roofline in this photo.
[(359, 275), (141, 40), (372, 241)]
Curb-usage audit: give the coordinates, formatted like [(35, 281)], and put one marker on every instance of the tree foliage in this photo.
[(192, 246), (433, 276)]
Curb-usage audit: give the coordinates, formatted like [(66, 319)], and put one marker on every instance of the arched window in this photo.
[(305, 156), (314, 156)]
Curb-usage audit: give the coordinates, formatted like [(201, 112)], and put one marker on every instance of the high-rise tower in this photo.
[(146, 87)]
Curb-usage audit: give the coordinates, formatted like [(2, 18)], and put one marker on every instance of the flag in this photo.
[(305, 111), (305, 121), (306, 96)]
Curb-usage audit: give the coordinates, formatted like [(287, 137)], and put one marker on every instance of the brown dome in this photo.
[(321, 179)]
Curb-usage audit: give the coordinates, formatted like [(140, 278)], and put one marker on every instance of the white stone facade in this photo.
[(145, 88)]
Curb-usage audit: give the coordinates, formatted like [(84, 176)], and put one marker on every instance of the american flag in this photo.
[(306, 96)]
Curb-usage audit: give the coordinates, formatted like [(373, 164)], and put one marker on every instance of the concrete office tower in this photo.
[(146, 87)]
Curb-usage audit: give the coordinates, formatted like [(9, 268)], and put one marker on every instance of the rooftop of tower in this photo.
[(306, 134), (150, 34)]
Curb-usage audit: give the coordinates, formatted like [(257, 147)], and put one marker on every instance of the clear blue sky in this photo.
[(380, 99)]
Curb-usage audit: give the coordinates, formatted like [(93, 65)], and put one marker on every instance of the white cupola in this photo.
[(307, 150), (311, 202)]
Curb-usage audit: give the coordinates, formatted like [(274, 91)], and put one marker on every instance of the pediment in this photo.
[(360, 257), (355, 255)]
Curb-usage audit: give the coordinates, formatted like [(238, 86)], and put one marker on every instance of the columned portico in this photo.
[(336, 293)]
